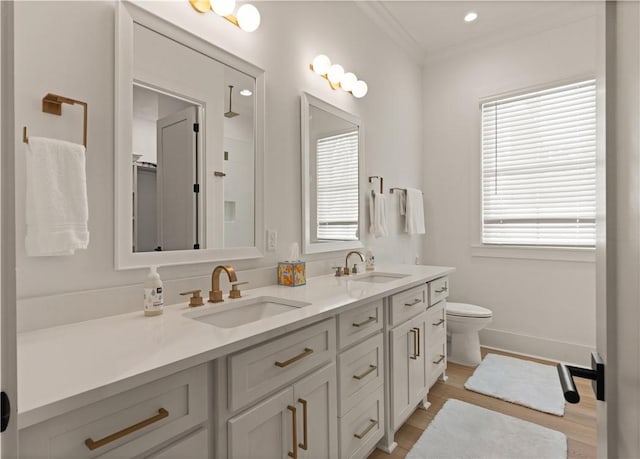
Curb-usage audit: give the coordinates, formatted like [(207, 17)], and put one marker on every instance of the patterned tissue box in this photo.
[(291, 273)]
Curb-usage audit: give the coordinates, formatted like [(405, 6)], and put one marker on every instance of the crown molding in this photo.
[(382, 17)]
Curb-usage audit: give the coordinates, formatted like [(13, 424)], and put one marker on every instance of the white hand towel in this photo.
[(377, 215), (56, 201), (414, 219)]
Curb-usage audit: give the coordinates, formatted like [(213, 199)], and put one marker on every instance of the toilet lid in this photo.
[(467, 310)]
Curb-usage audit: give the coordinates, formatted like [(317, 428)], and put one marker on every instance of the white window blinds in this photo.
[(337, 187), (539, 168)]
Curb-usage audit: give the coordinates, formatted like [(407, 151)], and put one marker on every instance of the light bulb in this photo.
[(347, 81), (360, 89), (335, 73), (471, 16), (246, 92), (321, 64), (248, 17), (223, 7)]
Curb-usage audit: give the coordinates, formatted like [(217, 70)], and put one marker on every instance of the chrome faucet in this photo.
[(354, 270), (215, 294)]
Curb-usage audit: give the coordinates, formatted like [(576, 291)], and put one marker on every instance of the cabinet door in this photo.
[(418, 379), (316, 400), (408, 373), (264, 430)]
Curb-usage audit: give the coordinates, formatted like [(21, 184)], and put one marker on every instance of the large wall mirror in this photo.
[(332, 165), (189, 159)]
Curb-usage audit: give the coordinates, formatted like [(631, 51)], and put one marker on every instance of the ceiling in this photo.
[(434, 26)]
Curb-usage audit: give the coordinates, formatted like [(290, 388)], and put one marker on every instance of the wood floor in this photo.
[(578, 422)]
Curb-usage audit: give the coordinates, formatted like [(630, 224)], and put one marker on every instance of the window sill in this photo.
[(575, 254)]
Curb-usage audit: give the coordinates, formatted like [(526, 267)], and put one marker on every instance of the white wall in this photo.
[(540, 307), (78, 61)]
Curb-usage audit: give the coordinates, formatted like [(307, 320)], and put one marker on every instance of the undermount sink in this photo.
[(378, 278), (236, 314)]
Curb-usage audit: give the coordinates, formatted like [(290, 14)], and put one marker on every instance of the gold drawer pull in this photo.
[(442, 290), (361, 435), (294, 421), (435, 362), (414, 302), (438, 323), (305, 443), (371, 369), (415, 344), (302, 355), (162, 413), (366, 322)]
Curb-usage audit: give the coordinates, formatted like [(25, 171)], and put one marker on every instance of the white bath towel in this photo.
[(377, 215), (414, 213), (56, 201)]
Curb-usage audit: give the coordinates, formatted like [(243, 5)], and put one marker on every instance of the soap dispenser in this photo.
[(153, 298)]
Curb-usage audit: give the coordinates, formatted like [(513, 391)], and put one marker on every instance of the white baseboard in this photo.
[(543, 348)]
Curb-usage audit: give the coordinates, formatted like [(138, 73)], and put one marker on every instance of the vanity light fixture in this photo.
[(471, 16), (247, 17), (337, 77)]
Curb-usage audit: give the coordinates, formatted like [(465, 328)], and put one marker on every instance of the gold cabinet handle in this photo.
[(162, 413), (294, 454), (304, 445), (417, 329), (371, 369), (439, 360), (438, 323), (366, 322), (414, 302), (307, 352), (415, 344), (362, 434), (442, 290)]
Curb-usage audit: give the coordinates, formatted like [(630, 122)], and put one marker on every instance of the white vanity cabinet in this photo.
[(361, 369), (409, 383), (297, 422), (279, 398), (165, 418)]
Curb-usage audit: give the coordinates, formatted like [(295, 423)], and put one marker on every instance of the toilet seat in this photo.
[(468, 310)]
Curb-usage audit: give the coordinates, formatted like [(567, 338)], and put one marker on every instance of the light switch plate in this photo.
[(272, 240)]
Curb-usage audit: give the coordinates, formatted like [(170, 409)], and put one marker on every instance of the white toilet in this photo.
[(464, 321)]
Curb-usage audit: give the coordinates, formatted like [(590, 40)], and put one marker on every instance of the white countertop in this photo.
[(66, 367)]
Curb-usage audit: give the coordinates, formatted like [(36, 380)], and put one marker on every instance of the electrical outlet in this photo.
[(272, 240)]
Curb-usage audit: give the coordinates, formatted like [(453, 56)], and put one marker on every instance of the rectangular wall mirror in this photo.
[(189, 138), (332, 165)]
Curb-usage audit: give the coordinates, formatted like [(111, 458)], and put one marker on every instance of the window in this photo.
[(539, 168), (337, 187)]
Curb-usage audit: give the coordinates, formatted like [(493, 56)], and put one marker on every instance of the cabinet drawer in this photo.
[(262, 369), (193, 446), (359, 323), (362, 427), (436, 321), (436, 362), (438, 290), (361, 370), (124, 425), (407, 304)]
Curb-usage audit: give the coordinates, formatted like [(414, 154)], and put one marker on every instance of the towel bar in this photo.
[(52, 104), (391, 190)]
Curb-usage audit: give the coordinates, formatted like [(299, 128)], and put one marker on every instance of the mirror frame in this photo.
[(126, 15), (308, 246)]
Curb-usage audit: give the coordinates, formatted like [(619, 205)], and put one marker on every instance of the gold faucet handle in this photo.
[(196, 299), (235, 291), (338, 270)]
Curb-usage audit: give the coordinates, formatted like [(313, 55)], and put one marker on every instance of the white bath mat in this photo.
[(461, 430), (519, 381)]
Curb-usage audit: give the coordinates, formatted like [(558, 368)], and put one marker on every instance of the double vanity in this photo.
[(330, 369)]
